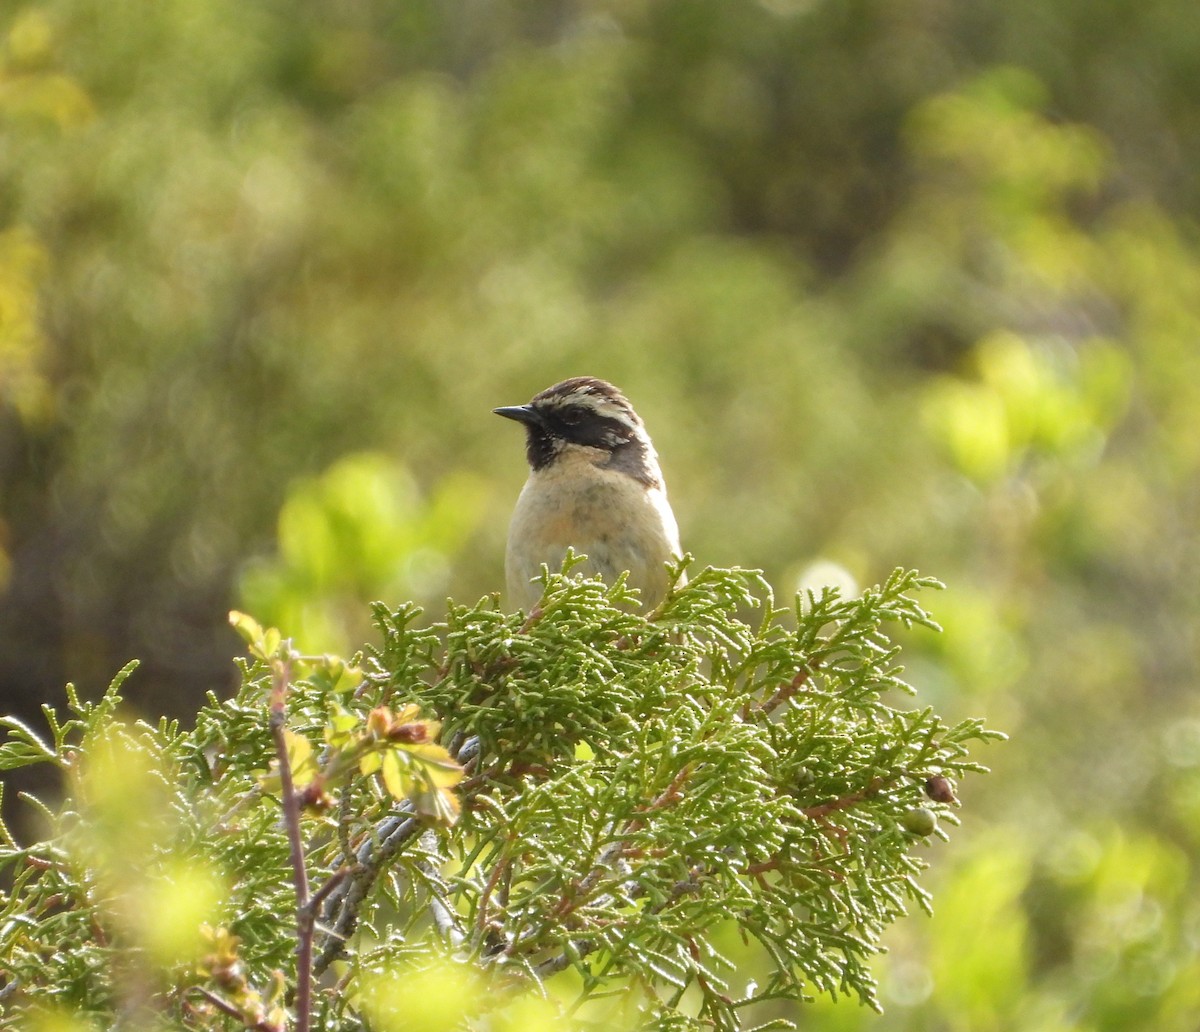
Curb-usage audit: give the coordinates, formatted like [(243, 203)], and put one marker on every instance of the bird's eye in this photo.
[(571, 416)]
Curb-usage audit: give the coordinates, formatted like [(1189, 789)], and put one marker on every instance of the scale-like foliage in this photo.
[(648, 799)]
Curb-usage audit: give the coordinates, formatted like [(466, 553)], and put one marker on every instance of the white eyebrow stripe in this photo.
[(610, 410), (602, 406)]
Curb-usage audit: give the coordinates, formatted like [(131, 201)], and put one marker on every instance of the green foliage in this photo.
[(360, 530), (889, 282), (637, 786)]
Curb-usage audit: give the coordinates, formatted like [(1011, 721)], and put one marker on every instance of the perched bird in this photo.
[(594, 485)]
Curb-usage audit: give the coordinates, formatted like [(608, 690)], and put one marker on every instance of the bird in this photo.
[(595, 486)]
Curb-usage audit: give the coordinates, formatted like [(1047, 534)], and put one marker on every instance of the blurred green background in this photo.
[(893, 282)]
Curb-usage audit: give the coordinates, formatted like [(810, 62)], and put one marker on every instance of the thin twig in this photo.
[(580, 949), (443, 920), (328, 888), (786, 691), (701, 979), (372, 856), (486, 895), (305, 917), (261, 1025), (442, 914), (611, 854), (222, 1005), (846, 801), (535, 614), (341, 907)]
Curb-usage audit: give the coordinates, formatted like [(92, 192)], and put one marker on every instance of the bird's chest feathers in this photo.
[(576, 502)]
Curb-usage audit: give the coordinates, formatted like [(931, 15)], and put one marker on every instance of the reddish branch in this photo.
[(305, 915), (574, 893), (786, 691), (260, 1024), (702, 981), (497, 873), (818, 813), (666, 797), (846, 801)]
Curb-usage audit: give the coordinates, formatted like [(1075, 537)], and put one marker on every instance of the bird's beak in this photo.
[(526, 414)]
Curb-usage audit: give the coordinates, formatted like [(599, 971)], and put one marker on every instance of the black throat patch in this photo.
[(589, 413), (628, 451)]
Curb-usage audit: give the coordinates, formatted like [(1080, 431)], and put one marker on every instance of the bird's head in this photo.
[(585, 412)]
